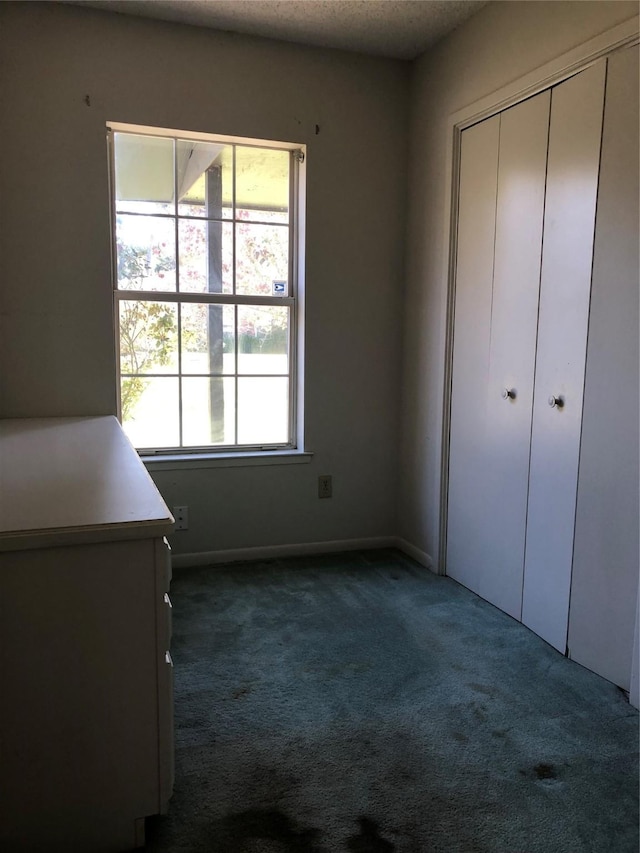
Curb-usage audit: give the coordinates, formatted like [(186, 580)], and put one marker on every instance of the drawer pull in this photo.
[(168, 619)]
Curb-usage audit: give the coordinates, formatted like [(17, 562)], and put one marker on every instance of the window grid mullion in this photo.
[(235, 312), (176, 231), (152, 375), (233, 210), (203, 297), (191, 218), (180, 373), (235, 375)]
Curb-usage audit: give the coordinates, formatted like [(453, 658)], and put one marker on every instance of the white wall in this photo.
[(498, 45), (56, 337)]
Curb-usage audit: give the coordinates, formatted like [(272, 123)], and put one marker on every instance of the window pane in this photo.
[(206, 256), (205, 179), (263, 410), (208, 338), (194, 220), (146, 253), (143, 173), (262, 259), (148, 337), (150, 411), (262, 184), (208, 410), (263, 339)]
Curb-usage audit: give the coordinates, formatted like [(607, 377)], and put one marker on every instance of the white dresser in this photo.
[(86, 722)]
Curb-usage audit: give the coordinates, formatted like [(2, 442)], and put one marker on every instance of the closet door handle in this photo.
[(556, 402), (509, 394)]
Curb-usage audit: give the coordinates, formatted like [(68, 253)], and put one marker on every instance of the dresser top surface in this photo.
[(61, 477)]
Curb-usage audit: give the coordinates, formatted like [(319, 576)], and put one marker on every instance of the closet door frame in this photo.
[(543, 78)]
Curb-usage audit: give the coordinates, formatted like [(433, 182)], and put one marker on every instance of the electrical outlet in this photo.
[(181, 515), (324, 486)]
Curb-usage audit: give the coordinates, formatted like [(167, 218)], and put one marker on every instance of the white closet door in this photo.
[(514, 318), (497, 285), (572, 182), (466, 535), (605, 558)]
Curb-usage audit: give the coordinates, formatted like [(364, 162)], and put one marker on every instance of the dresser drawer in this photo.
[(165, 718)]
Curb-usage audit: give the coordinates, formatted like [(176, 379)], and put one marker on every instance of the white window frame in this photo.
[(294, 301)]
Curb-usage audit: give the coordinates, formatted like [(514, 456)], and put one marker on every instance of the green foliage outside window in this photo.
[(150, 322)]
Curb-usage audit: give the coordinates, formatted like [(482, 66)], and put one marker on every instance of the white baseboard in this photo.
[(416, 554), (270, 552)]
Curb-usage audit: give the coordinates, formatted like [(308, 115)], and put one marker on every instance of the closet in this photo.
[(543, 457)]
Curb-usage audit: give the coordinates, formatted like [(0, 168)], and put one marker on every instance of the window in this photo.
[(205, 234)]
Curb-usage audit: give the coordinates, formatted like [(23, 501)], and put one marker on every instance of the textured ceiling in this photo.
[(400, 29)]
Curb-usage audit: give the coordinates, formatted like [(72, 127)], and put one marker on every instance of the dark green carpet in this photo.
[(356, 702)]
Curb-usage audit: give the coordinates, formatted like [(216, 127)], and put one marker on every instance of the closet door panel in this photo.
[(466, 535), (514, 319), (572, 181), (604, 586)]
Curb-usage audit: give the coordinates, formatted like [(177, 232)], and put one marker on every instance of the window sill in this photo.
[(186, 461)]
